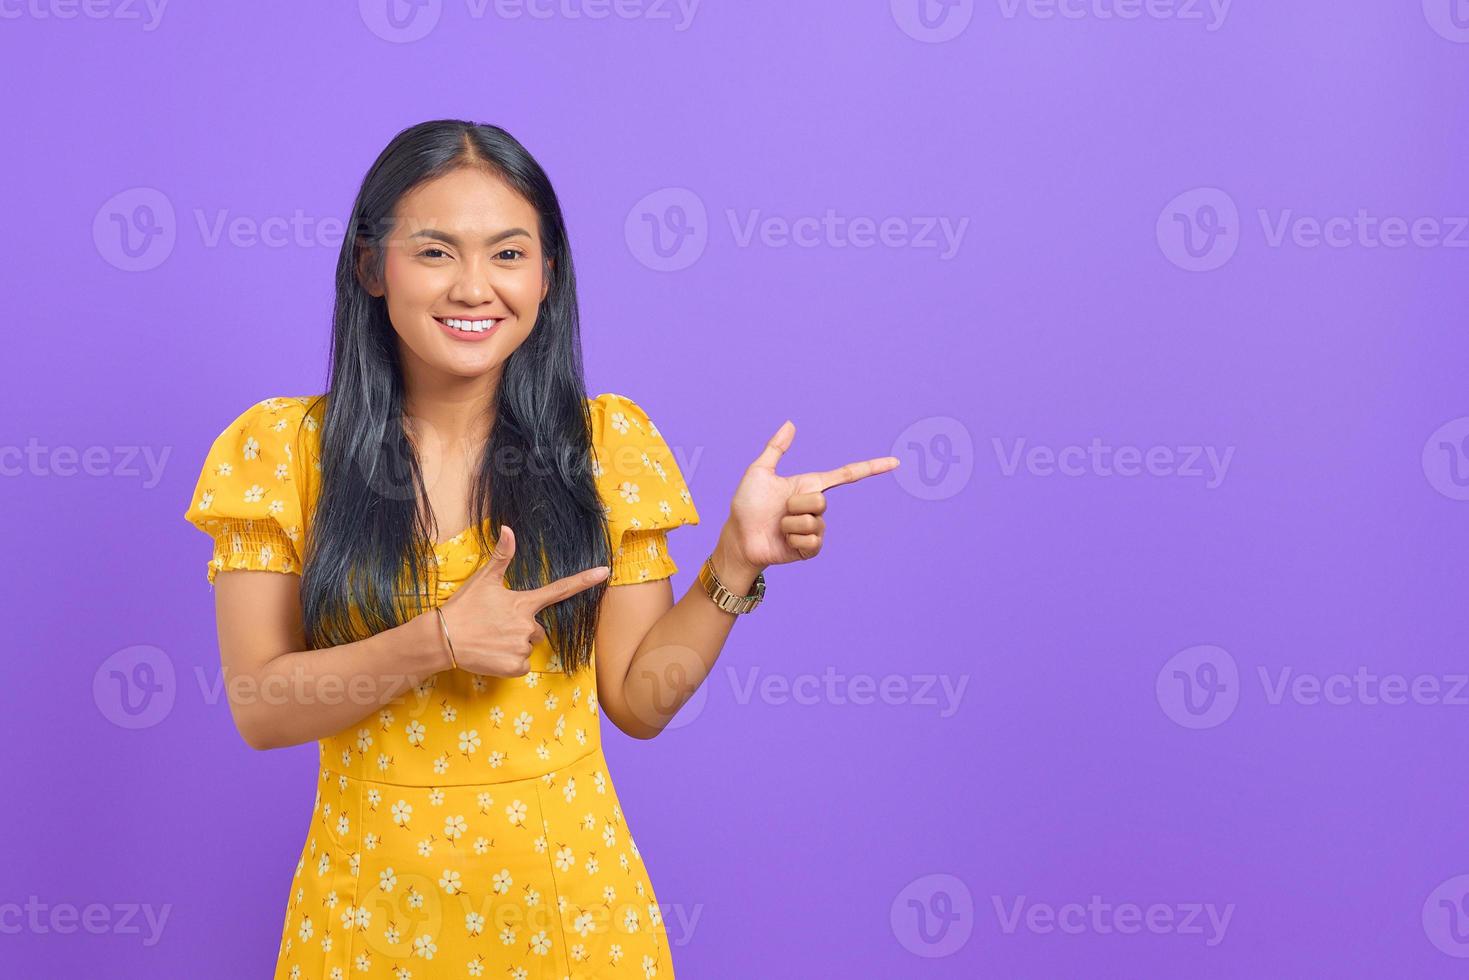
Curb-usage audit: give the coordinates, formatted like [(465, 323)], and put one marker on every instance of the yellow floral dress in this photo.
[(471, 828)]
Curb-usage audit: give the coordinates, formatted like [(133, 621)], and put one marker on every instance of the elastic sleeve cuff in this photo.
[(257, 545), (643, 557)]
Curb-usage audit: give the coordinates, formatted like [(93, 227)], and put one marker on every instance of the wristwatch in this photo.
[(729, 601)]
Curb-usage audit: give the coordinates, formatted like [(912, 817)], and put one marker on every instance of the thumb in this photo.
[(777, 445), (503, 551)]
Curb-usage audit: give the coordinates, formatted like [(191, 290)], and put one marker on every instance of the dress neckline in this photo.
[(457, 539)]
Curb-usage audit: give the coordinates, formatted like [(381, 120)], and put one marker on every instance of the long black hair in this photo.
[(369, 526)]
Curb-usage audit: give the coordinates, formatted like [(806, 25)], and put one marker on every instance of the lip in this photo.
[(471, 337)]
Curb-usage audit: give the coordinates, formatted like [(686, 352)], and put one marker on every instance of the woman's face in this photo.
[(464, 247)]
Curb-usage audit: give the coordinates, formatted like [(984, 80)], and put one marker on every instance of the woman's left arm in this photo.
[(653, 653)]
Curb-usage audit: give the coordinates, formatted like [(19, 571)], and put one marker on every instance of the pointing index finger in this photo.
[(852, 472), (564, 588)]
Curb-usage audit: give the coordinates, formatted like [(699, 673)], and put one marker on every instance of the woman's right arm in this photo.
[(282, 693)]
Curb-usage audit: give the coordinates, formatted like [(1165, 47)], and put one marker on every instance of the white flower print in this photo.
[(629, 491), (387, 880), (501, 881), (415, 731), (454, 828), (402, 813), (449, 881), (252, 447), (469, 742), (254, 494), (582, 923), (474, 923), (540, 943), (619, 423), (523, 723), (564, 859)]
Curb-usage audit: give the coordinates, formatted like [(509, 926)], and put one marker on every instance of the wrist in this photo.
[(734, 572), (430, 649)]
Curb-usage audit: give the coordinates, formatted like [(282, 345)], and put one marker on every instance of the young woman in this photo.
[(465, 823)]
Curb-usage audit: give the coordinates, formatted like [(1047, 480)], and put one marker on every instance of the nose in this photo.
[(472, 286)]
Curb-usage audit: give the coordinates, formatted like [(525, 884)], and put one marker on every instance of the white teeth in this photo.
[(470, 326)]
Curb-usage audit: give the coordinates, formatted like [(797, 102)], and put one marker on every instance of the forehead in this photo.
[(467, 200)]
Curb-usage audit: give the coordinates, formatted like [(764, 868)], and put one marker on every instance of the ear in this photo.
[(546, 279), (371, 285)]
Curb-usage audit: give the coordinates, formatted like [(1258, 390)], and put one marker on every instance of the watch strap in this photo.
[(730, 602)]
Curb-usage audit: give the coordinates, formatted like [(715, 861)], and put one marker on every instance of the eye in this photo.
[(425, 252), (512, 252)]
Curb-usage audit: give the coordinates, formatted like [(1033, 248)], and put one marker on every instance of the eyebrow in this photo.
[(454, 239)]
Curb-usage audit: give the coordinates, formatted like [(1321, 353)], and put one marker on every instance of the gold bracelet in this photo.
[(445, 627)]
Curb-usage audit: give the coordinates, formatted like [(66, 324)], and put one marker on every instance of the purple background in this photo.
[(1076, 763)]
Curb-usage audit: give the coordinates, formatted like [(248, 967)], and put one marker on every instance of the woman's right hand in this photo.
[(493, 628)]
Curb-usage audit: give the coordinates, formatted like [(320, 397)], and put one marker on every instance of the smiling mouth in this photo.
[(462, 325)]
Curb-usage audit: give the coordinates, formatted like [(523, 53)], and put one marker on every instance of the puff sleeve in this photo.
[(249, 494), (642, 489)]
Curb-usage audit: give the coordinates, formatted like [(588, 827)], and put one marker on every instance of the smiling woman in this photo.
[(455, 683)]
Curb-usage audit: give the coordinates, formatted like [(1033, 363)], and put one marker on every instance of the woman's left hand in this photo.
[(776, 519)]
